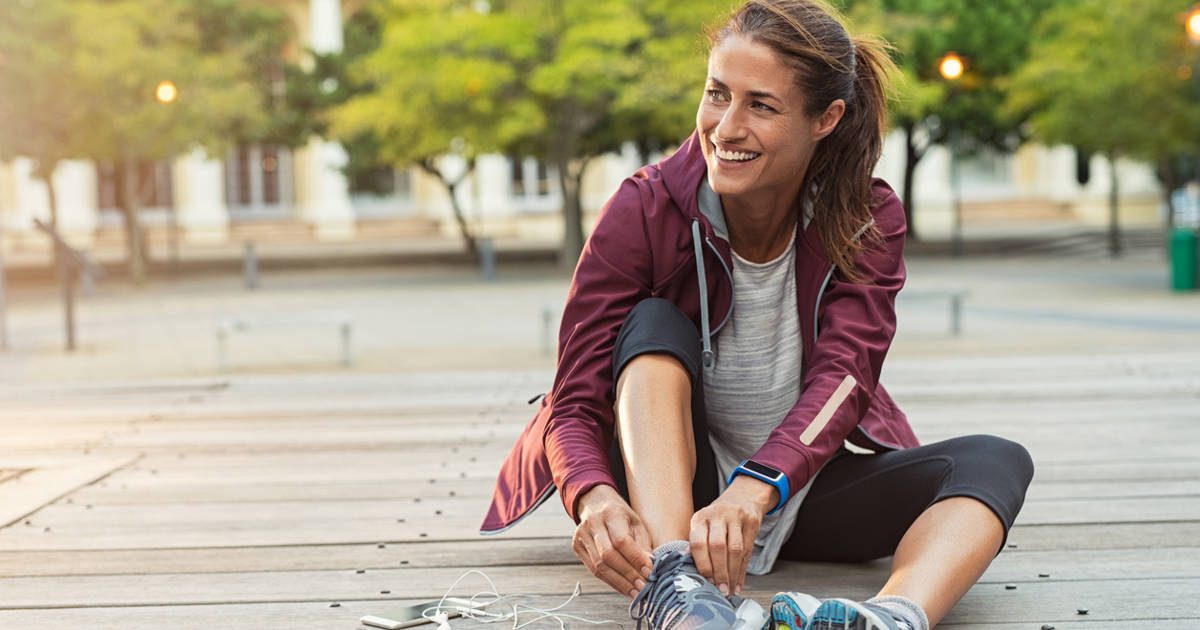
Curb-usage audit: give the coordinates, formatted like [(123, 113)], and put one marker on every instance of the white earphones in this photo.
[(439, 614)]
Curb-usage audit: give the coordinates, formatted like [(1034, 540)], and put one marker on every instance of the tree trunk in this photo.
[(134, 236), (451, 187), (570, 178), (911, 157), (46, 177), (1114, 227)]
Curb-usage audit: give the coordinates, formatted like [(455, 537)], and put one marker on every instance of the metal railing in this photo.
[(70, 262)]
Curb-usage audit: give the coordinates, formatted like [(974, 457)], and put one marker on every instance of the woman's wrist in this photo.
[(763, 496)]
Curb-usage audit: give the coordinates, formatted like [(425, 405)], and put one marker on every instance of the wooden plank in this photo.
[(269, 586), (1105, 535), (28, 492), (1108, 604)]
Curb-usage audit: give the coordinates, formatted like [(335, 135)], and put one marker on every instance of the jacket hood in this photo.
[(682, 172)]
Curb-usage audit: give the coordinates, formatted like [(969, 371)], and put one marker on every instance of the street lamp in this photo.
[(1192, 20), (166, 92), (952, 67)]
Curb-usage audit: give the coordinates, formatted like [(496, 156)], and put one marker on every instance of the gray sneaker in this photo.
[(846, 614), (677, 597)]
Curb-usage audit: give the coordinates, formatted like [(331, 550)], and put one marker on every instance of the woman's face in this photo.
[(755, 136)]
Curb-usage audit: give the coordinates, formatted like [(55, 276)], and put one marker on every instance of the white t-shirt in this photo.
[(755, 381)]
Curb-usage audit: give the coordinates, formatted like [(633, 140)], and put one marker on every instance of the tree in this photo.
[(993, 37), (1112, 77), (42, 107), (126, 49), (441, 82), (563, 81)]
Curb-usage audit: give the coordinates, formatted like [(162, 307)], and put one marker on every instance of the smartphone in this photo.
[(410, 616)]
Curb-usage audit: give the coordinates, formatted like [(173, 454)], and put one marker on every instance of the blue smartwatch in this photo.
[(767, 475)]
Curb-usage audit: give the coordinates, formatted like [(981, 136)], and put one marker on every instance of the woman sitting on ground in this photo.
[(722, 341)]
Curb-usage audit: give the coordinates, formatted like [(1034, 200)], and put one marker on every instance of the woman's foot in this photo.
[(677, 597)]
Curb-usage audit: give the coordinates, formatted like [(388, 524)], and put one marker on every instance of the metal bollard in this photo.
[(547, 332), (250, 266), (487, 258)]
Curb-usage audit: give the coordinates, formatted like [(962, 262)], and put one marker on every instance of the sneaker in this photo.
[(677, 597), (845, 614), (791, 611)]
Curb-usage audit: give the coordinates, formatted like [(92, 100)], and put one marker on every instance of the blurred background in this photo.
[(191, 186)]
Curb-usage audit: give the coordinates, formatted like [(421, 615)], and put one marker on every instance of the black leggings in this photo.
[(860, 505)]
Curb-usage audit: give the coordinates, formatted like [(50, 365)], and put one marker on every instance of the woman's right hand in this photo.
[(611, 540)]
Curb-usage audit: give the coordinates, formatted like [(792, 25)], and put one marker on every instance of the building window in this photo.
[(530, 177), (258, 180), (381, 192), (153, 182)]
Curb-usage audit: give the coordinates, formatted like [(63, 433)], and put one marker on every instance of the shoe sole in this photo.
[(791, 611), (845, 614)]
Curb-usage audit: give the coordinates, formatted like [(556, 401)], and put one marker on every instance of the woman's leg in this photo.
[(661, 459), (654, 425), (944, 553), (941, 510)]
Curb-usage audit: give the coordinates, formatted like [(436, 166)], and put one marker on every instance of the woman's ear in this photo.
[(828, 120)]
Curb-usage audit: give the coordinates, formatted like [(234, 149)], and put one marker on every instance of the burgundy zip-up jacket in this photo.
[(646, 243)]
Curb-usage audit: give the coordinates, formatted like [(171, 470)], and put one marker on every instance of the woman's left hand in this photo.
[(722, 534)]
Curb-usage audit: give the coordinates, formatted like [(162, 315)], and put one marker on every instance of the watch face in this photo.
[(766, 471)]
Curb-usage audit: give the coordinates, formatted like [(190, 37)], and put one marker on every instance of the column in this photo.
[(200, 198), (75, 189), (322, 192)]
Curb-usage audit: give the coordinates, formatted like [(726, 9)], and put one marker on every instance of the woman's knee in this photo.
[(657, 327), (1004, 454)]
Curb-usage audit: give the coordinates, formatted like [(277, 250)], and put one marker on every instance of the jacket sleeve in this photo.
[(856, 324), (612, 276)]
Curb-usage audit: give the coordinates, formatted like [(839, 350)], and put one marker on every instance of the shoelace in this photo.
[(657, 598)]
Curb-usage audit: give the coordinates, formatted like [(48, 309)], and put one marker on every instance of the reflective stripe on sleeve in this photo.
[(831, 406)]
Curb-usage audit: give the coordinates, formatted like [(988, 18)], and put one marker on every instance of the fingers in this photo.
[(718, 553), (595, 548), (634, 561), (737, 559), (721, 545)]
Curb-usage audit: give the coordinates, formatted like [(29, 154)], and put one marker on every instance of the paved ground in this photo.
[(142, 487)]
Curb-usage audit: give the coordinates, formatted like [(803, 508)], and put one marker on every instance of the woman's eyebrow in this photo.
[(753, 93)]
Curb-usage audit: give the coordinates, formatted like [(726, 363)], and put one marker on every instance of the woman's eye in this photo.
[(762, 106), (715, 95)]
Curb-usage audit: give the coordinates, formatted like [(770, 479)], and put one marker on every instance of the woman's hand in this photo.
[(611, 540), (722, 536)]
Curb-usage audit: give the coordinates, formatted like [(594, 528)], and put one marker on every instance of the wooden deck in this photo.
[(307, 502)]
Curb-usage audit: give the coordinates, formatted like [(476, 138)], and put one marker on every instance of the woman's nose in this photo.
[(731, 126)]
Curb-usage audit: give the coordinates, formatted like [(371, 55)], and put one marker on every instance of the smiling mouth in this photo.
[(734, 156)]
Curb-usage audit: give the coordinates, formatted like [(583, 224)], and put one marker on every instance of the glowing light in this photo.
[(166, 92), (1193, 24), (951, 67)]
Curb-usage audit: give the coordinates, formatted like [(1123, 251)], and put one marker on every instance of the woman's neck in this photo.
[(759, 232)]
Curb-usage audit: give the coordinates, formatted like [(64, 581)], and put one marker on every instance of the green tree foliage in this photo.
[(992, 37), (1113, 77), (563, 81), (79, 80), (41, 104)]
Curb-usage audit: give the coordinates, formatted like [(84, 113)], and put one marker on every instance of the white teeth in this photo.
[(736, 156)]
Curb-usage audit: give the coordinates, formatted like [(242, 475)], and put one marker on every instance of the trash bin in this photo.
[(1183, 259)]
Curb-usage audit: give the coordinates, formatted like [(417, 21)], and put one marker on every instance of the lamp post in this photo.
[(166, 93), (951, 67)]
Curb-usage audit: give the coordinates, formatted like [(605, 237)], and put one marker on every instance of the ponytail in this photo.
[(840, 172)]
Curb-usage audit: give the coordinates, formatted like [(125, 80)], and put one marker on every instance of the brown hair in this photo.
[(809, 36)]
